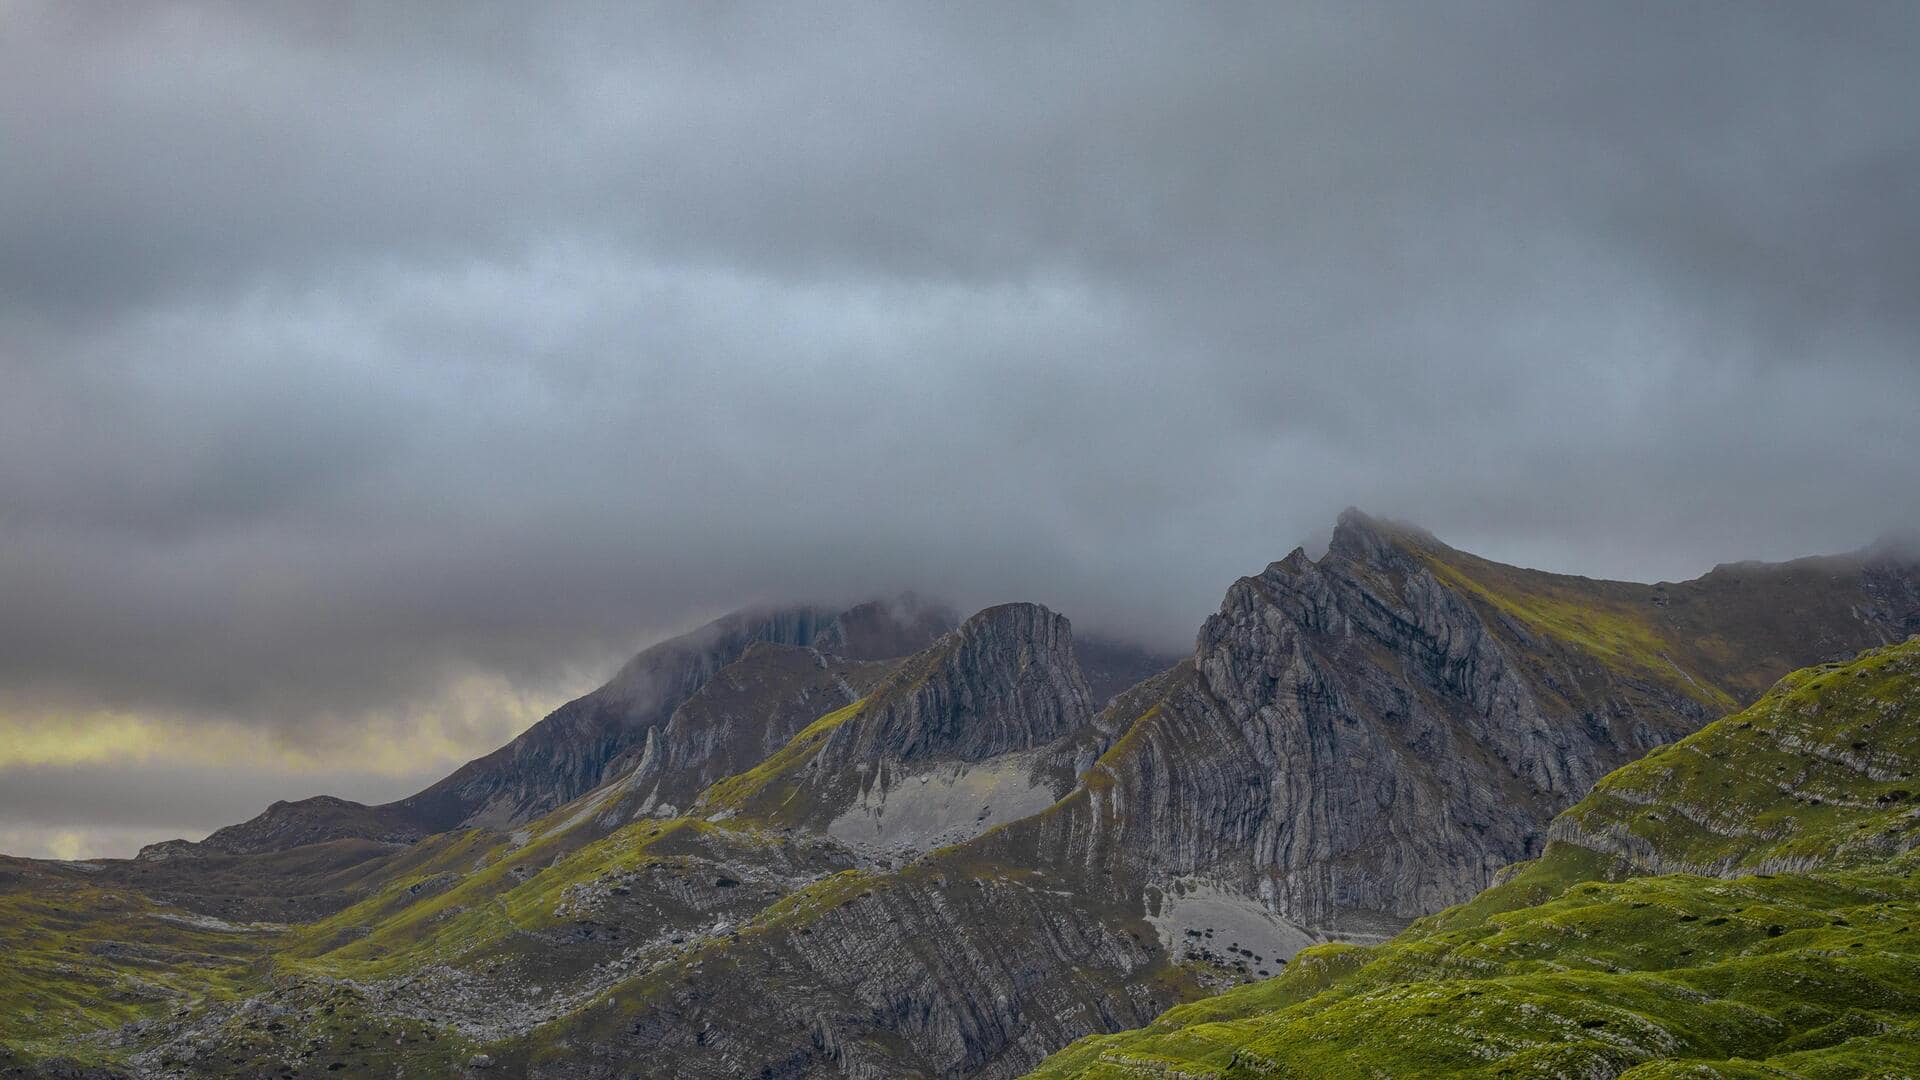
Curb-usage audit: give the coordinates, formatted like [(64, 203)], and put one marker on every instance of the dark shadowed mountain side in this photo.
[(951, 865), (285, 825), (1740, 904), (566, 754)]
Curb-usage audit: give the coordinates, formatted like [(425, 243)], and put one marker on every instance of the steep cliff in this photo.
[(570, 752), (1007, 679), (1369, 737)]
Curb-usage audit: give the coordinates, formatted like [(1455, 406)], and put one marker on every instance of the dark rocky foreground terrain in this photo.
[(887, 842)]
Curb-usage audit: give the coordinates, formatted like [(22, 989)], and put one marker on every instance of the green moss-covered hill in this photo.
[(1743, 903)]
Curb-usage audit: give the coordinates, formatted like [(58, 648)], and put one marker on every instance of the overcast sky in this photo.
[(372, 378)]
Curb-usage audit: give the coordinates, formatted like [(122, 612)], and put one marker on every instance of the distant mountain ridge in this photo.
[(568, 753)]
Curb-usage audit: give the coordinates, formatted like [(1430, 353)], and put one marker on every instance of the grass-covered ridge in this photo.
[(1590, 962), (1820, 772), (1620, 633), (1616, 623)]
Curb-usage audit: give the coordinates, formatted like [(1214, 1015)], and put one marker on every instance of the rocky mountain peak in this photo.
[(1364, 538), (1005, 680)]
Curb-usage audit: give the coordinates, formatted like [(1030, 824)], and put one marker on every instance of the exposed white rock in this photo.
[(941, 803), (1198, 916)]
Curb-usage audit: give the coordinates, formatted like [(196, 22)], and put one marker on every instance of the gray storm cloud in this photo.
[(349, 350)]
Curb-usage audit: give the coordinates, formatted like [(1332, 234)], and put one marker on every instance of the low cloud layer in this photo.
[(378, 378)]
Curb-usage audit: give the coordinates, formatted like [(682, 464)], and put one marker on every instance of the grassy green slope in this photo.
[(1789, 948), (77, 959), (1721, 639)]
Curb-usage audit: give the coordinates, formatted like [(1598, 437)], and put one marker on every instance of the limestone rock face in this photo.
[(1357, 746), (1370, 737), (1006, 680), (986, 725), (568, 753), (922, 976)]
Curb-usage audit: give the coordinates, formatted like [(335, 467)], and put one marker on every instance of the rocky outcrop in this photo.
[(1549, 973), (1369, 737), (568, 753), (920, 975), (605, 733), (984, 726), (1006, 680)]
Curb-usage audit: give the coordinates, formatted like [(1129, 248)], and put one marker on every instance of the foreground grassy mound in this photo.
[(1744, 903)]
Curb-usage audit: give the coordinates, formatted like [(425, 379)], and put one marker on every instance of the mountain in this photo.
[(488, 936), (565, 755), (1368, 737), (957, 862), (1356, 741), (1745, 902), (959, 738), (570, 751)]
